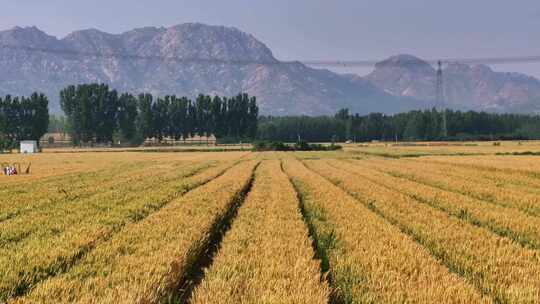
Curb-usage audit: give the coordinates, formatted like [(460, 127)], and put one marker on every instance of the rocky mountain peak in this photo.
[(188, 40), (93, 40), (26, 36), (197, 40), (475, 87), (148, 31), (222, 60), (405, 75), (405, 62), (217, 65)]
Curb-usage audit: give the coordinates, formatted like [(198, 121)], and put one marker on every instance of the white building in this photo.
[(29, 147)]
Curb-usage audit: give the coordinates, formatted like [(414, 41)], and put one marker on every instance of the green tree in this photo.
[(191, 122), (23, 118), (145, 119), (253, 117), (92, 111), (40, 110), (127, 118), (203, 115), (105, 111), (178, 115), (161, 118), (218, 111)]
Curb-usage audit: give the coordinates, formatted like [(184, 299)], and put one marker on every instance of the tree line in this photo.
[(22, 118), (94, 113), (425, 125), (97, 114)]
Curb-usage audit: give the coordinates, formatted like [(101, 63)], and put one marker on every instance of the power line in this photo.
[(186, 60), (314, 63), (434, 62)]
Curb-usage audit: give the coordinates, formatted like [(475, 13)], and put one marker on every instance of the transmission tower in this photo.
[(441, 104)]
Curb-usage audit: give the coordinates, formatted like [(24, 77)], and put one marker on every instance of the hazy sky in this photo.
[(317, 29)]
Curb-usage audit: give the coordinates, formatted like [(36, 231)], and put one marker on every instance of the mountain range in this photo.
[(194, 58), (475, 87)]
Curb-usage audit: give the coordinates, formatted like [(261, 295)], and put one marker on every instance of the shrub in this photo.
[(271, 146), (299, 146)]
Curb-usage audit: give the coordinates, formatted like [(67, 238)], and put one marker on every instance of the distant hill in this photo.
[(465, 87), (192, 58), (281, 88)]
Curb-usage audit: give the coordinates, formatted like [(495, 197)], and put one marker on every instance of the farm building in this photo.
[(29, 147)]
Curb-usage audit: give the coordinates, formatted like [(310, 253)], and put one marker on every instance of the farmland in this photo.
[(378, 223)]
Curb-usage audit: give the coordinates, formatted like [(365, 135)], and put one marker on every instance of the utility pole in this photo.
[(441, 104)]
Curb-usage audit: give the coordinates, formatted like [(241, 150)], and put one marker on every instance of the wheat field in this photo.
[(429, 223)]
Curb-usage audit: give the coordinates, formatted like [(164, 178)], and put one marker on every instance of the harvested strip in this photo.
[(146, 261), (497, 266), (266, 257), (370, 260), (80, 230), (508, 222)]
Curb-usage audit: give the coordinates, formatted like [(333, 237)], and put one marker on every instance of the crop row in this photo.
[(50, 167), (53, 168), (74, 188), (51, 242), (147, 260), (503, 179), (266, 256), (496, 265), (506, 178), (512, 198), (512, 223), (27, 196), (54, 219), (527, 165), (370, 260)]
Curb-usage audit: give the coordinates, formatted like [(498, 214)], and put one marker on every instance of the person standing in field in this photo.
[(10, 170)]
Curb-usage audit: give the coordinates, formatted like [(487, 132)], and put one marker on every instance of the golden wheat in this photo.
[(267, 256), (132, 227), (369, 259), (48, 241), (512, 198), (508, 222), (146, 260), (488, 176), (496, 265)]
